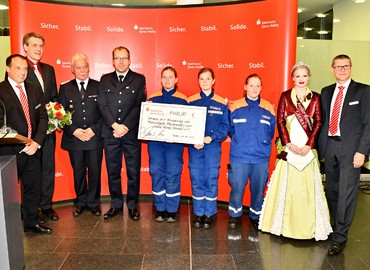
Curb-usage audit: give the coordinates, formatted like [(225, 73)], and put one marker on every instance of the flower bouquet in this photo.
[(58, 117)]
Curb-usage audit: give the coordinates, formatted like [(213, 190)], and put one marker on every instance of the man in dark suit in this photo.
[(344, 143), (26, 114), (82, 138), (43, 76), (120, 95)]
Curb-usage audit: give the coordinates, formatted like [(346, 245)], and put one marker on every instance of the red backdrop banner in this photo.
[(234, 39)]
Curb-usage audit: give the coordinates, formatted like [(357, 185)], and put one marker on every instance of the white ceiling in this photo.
[(309, 7)]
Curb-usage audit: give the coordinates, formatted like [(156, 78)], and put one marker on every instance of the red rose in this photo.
[(59, 115), (57, 106)]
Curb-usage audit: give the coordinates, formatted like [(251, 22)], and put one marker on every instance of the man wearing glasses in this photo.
[(120, 95), (344, 143)]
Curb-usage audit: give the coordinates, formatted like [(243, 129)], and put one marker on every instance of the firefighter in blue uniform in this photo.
[(252, 128), (204, 159), (165, 158)]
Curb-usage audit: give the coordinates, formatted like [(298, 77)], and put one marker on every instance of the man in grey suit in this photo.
[(344, 143), (42, 76), (82, 138), (26, 114)]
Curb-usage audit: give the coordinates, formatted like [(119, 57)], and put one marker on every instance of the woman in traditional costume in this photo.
[(295, 205)]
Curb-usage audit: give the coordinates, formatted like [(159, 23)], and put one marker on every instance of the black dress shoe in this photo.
[(37, 229), (198, 221), (160, 216), (96, 210), (207, 222), (335, 248), (50, 213), (78, 211), (134, 214), (41, 218), (112, 212), (171, 217), (254, 222), (233, 223)]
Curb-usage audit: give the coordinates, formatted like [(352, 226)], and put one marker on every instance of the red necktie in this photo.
[(334, 120), (26, 110)]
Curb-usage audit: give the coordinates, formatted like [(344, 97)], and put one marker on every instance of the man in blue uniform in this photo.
[(120, 95), (82, 138)]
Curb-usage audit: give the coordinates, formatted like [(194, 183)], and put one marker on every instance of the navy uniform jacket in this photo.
[(121, 102), (86, 114), (217, 121)]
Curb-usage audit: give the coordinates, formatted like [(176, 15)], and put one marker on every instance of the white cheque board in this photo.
[(172, 123)]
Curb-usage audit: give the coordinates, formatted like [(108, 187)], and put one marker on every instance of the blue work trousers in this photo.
[(239, 173), (204, 171), (165, 167)]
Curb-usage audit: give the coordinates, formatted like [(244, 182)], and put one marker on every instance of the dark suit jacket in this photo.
[(50, 84), (354, 122), (121, 102), (86, 114), (15, 115)]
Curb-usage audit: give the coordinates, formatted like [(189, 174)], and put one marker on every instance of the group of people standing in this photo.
[(106, 117)]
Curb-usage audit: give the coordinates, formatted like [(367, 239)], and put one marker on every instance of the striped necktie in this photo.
[(334, 120), (26, 110), (39, 77)]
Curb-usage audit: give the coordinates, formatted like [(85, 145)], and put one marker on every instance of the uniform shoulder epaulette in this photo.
[(180, 95), (219, 99), (267, 105), (155, 94), (194, 97), (238, 104)]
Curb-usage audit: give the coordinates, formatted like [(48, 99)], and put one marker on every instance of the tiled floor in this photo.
[(89, 242)]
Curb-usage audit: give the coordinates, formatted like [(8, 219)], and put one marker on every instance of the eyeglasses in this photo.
[(121, 58), (339, 68)]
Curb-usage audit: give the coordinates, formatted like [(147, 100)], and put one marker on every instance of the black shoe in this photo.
[(207, 222), (112, 212), (50, 213), (160, 216), (198, 221), (171, 217), (335, 248), (96, 210), (37, 229), (233, 223), (254, 222), (78, 211), (41, 218), (134, 214)]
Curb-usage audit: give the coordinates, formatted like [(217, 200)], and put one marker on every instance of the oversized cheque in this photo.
[(172, 123)]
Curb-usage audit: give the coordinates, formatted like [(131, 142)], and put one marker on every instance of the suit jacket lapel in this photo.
[(14, 97), (330, 97), (32, 76), (349, 96), (89, 89), (114, 80), (76, 90), (44, 74)]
